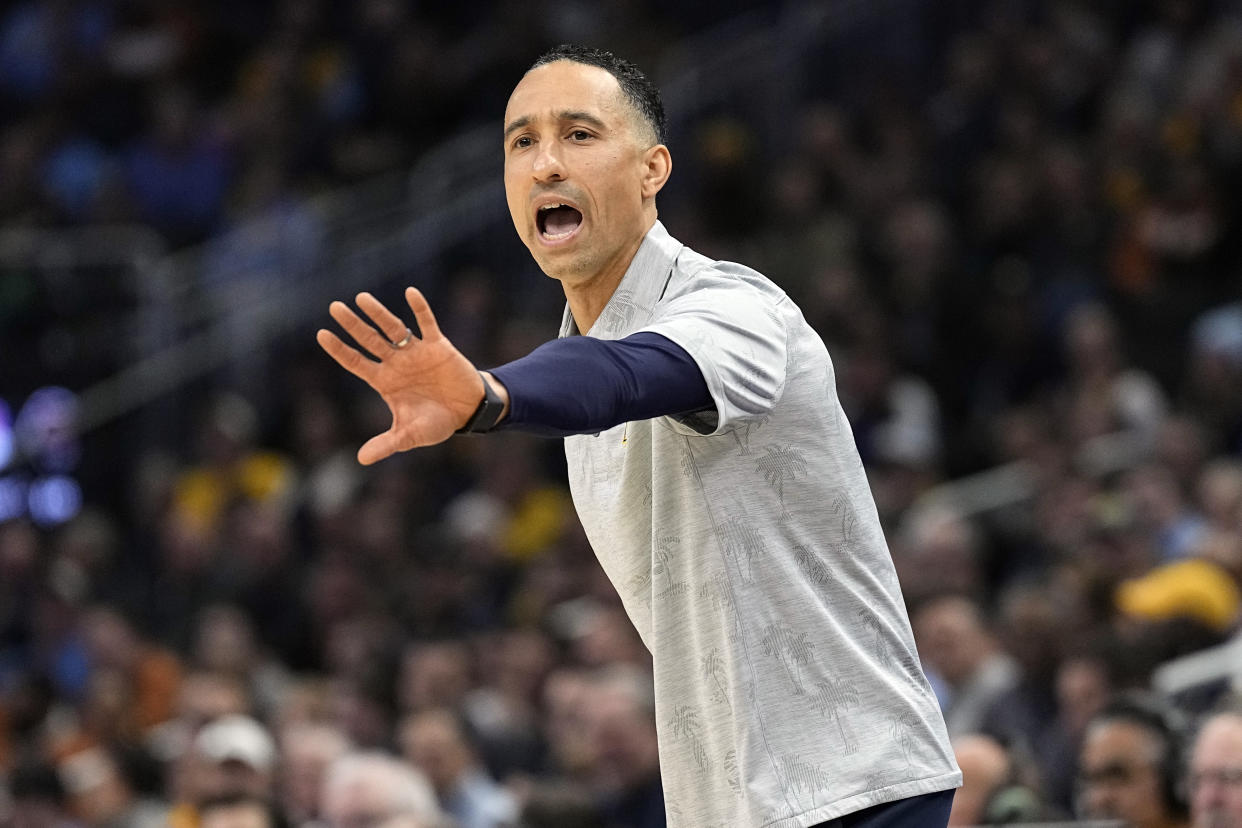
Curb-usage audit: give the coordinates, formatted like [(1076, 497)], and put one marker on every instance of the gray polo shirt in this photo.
[(746, 549)]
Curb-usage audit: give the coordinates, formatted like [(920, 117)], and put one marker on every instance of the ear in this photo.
[(657, 165)]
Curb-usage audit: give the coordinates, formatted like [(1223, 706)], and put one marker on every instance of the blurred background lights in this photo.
[(6, 436), (54, 500), (12, 498), (46, 429)]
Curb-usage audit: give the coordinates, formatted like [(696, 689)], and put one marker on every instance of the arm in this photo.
[(583, 385), (568, 386)]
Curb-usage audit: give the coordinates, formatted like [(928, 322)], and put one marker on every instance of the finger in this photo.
[(422, 313), (348, 358), (377, 448), (388, 322), (363, 334)]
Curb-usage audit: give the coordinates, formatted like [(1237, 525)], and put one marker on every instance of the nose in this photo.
[(547, 165)]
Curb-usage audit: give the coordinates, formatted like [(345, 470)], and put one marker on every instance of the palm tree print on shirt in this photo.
[(662, 554), (733, 772), (803, 778), (816, 571), (880, 646), (716, 591), (620, 312), (883, 649), (841, 506), (901, 731), (781, 465), (833, 698), (640, 585), (792, 651), (742, 433), (742, 543), (712, 667), (687, 461), (686, 727)]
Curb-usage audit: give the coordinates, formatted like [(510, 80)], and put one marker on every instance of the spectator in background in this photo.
[(370, 788), (179, 173), (1103, 392), (239, 811), (1035, 623), (103, 791), (307, 749), (38, 799), (993, 791), (985, 770), (938, 550), (233, 755), (1215, 782), (957, 649), (436, 742), (1163, 511), (624, 766), (225, 643), (1212, 386), (1130, 764), (560, 806)]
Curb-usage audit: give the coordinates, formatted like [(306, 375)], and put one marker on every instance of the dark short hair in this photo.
[(1166, 725), (636, 86)]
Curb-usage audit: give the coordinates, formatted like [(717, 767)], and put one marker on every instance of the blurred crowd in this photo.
[(1017, 233)]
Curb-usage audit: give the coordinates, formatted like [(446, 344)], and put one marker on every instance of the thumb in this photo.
[(377, 448)]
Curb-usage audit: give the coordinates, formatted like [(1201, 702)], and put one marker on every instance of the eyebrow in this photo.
[(563, 115)]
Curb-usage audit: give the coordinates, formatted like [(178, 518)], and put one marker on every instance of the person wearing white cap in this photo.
[(236, 755)]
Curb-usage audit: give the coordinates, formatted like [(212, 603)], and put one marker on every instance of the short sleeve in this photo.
[(737, 337)]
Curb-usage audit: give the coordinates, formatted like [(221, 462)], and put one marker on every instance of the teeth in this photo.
[(550, 206)]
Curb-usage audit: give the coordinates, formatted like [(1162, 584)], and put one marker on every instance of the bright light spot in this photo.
[(54, 500)]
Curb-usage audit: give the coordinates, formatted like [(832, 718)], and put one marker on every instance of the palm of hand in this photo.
[(430, 388)]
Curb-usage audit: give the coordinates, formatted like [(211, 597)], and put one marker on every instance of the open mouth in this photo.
[(557, 221)]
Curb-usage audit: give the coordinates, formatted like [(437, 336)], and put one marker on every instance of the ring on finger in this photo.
[(405, 340)]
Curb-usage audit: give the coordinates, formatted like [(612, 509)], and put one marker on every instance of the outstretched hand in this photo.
[(430, 388)]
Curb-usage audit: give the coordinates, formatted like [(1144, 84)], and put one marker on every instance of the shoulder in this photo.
[(693, 272)]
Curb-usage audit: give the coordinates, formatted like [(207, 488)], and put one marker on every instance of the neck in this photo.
[(587, 297)]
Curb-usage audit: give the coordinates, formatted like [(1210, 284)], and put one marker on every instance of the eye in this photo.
[(580, 135), (522, 142)]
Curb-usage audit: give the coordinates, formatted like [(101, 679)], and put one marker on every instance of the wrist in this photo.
[(492, 407)]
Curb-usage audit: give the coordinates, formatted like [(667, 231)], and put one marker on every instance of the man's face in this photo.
[(1119, 771), (1216, 774), (572, 139)]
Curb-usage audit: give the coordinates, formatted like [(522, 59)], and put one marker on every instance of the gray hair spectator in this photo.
[(307, 750), (369, 788), (1215, 783)]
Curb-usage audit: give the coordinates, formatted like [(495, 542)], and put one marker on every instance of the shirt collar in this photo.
[(632, 303)]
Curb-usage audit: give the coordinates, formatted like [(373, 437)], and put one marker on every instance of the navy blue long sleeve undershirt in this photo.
[(584, 385)]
